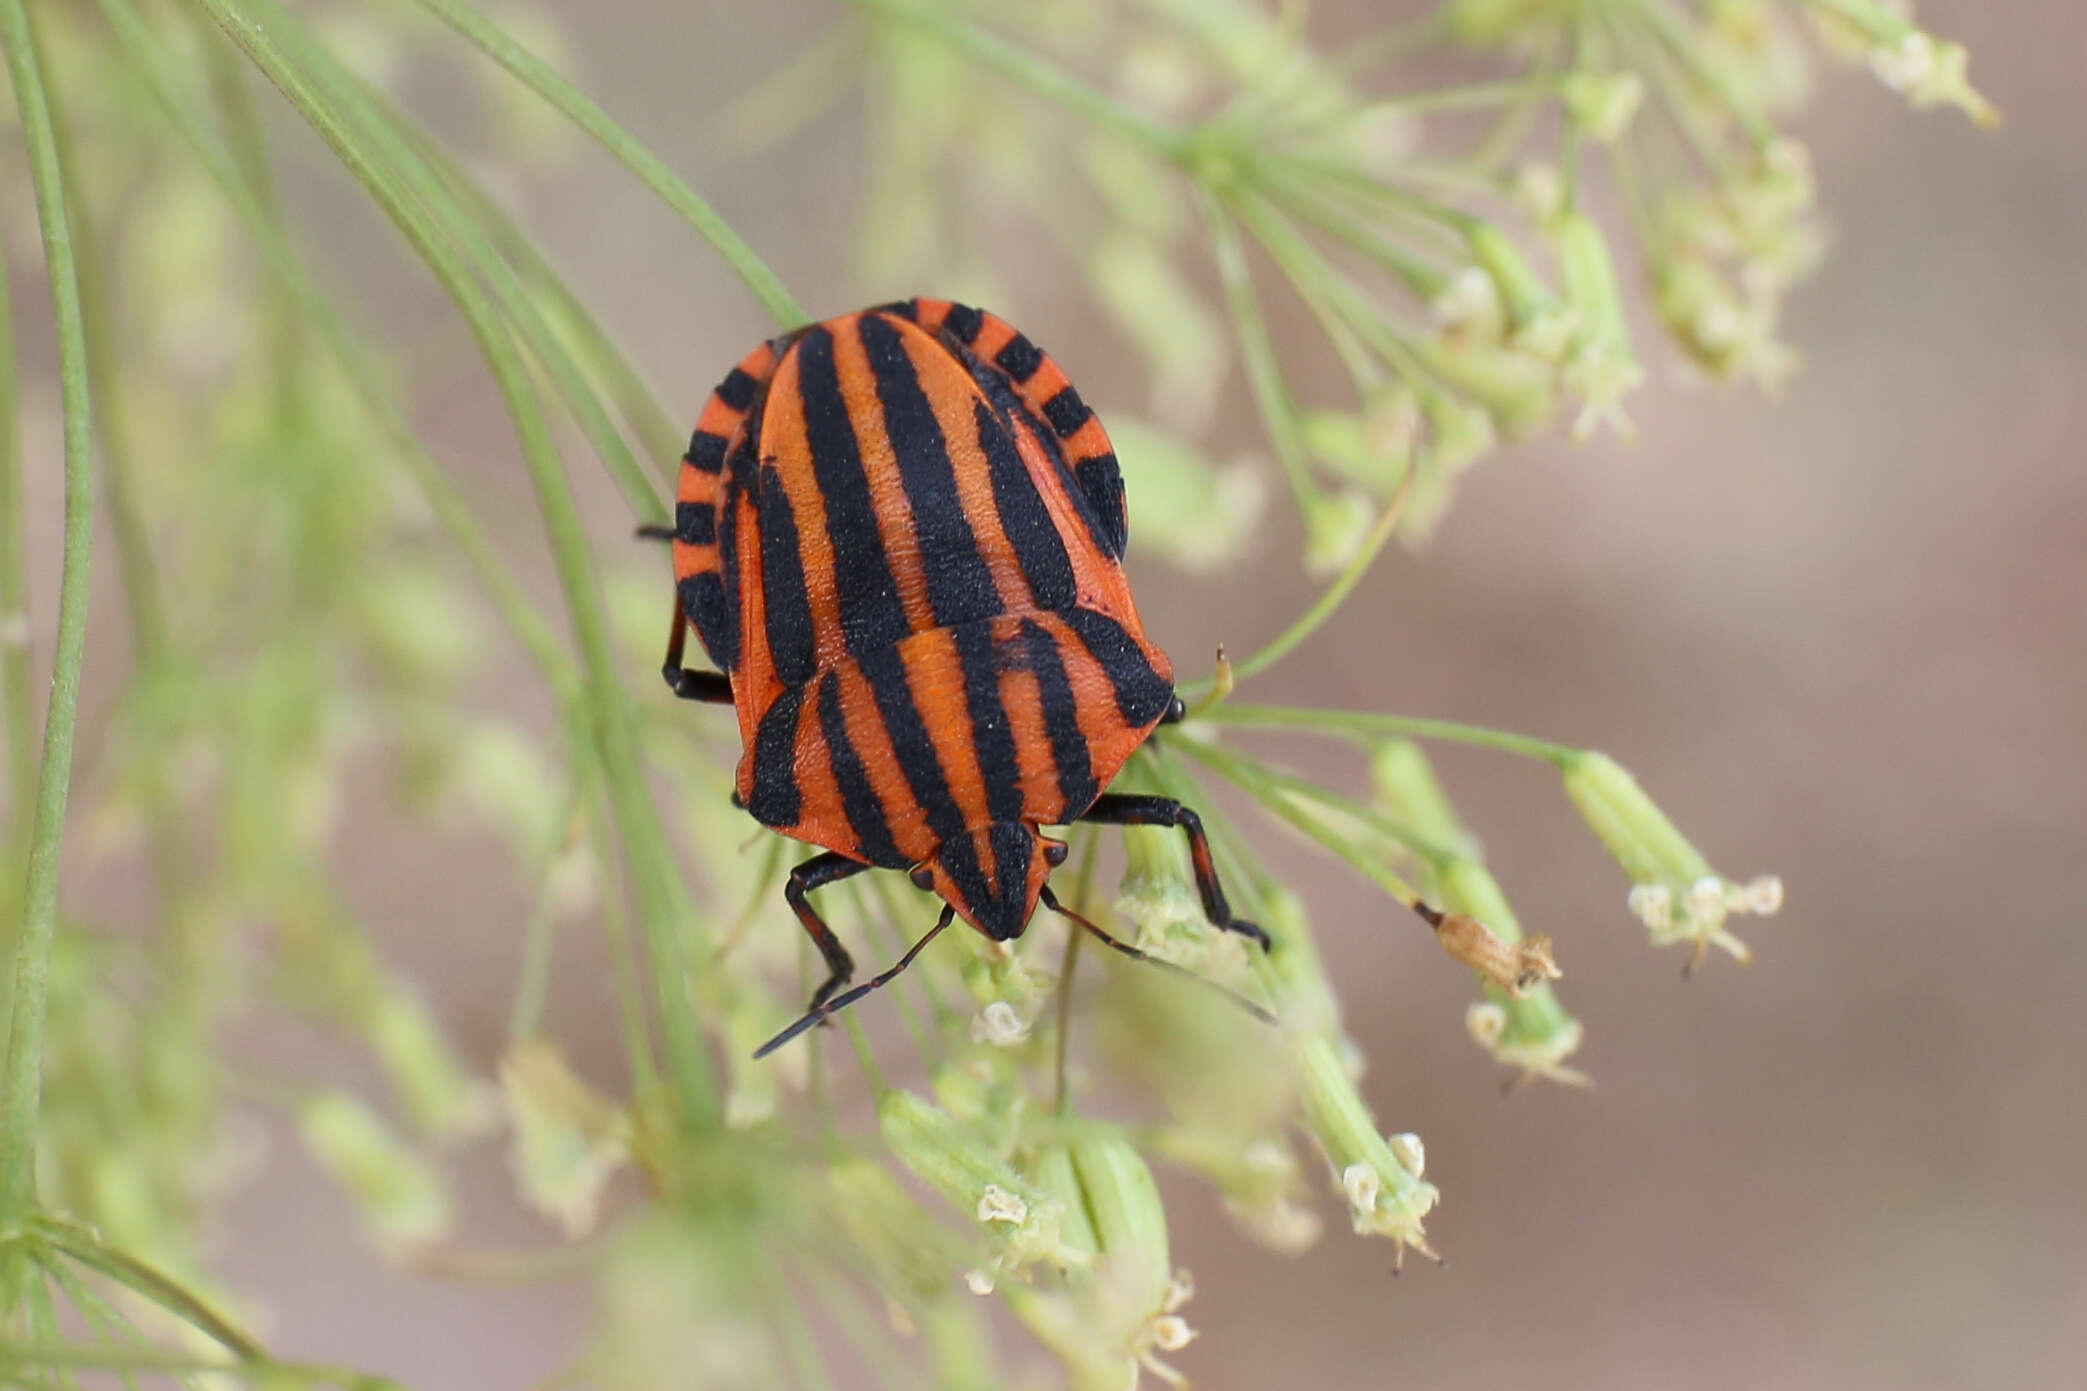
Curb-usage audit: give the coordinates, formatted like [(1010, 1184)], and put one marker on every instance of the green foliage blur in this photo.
[(310, 595)]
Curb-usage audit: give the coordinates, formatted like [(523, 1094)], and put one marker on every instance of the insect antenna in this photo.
[(654, 531), (826, 1009), (1050, 901)]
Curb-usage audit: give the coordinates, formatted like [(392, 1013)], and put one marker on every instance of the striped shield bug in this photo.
[(899, 535)]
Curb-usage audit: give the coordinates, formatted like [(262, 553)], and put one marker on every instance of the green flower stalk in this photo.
[(442, 1098), (1538, 323), (403, 1200), (568, 1139), (1601, 370), (1674, 891), (1121, 1311), (1020, 1220), (908, 1257), (1529, 1031)]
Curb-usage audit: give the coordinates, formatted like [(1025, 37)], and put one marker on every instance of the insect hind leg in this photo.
[(1121, 809)]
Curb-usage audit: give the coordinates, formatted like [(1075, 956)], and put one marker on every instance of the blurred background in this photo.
[(1841, 635)]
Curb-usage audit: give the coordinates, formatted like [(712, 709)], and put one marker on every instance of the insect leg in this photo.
[(820, 1012), (1095, 930), (1121, 809), (713, 687), (813, 873)]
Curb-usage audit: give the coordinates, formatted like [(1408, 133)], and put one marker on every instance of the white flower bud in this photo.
[(979, 1282), (996, 1204), (1764, 895), (1407, 1148), (999, 1025)]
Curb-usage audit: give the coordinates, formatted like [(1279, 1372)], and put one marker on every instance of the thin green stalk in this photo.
[(546, 83), (1313, 618), (135, 563), (1038, 74), (14, 588), (648, 857), (1364, 724), (108, 1324), (395, 148), (148, 1283), (1242, 769), (282, 330), (1257, 350), (21, 1087), (264, 224), (55, 1355), (662, 440), (1287, 808), (1686, 49), (540, 932)]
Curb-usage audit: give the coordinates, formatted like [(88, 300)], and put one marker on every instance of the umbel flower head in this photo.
[(1674, 891)]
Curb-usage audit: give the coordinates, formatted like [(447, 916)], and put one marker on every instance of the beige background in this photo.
[(1842, 638)]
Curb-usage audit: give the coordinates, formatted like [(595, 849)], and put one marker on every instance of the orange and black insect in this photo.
[(899, 535)]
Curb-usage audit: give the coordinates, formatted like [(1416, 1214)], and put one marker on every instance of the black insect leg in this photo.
[(1121, 809), (712, 687), (814, 873), (821, 1011)]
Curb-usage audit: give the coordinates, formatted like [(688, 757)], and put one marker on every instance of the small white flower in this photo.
[(1407, 1148), (1764, 895), (996, 1204), (1906, 65), (1486, 1022), (1362, 1184), (1706, 901), (979, 1282), (1468, 299), (1652, 905), (1539, 191), (999, 1025), (1170, 1333)]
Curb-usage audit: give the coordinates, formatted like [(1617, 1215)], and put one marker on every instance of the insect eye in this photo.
[(1055, 852), (922, 877)]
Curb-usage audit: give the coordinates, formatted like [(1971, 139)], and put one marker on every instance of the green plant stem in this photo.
[(1241, 769), (57, 1355), (1038, 74), (1363, 724), (539, 932), (258, 29), (21, 1087), (145, 1281), (1286, 807), (1257, 350), (1313, 618), (14, 589), (546, 83), (263, 222)]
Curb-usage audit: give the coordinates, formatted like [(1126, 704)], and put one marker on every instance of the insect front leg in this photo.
[(1122, 809), (814, 873)]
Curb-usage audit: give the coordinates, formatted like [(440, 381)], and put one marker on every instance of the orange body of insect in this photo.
[(899, 534)]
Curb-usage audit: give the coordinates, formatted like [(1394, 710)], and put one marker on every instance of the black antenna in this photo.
[(654, 531), (826, 1009), (1050, 901)]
